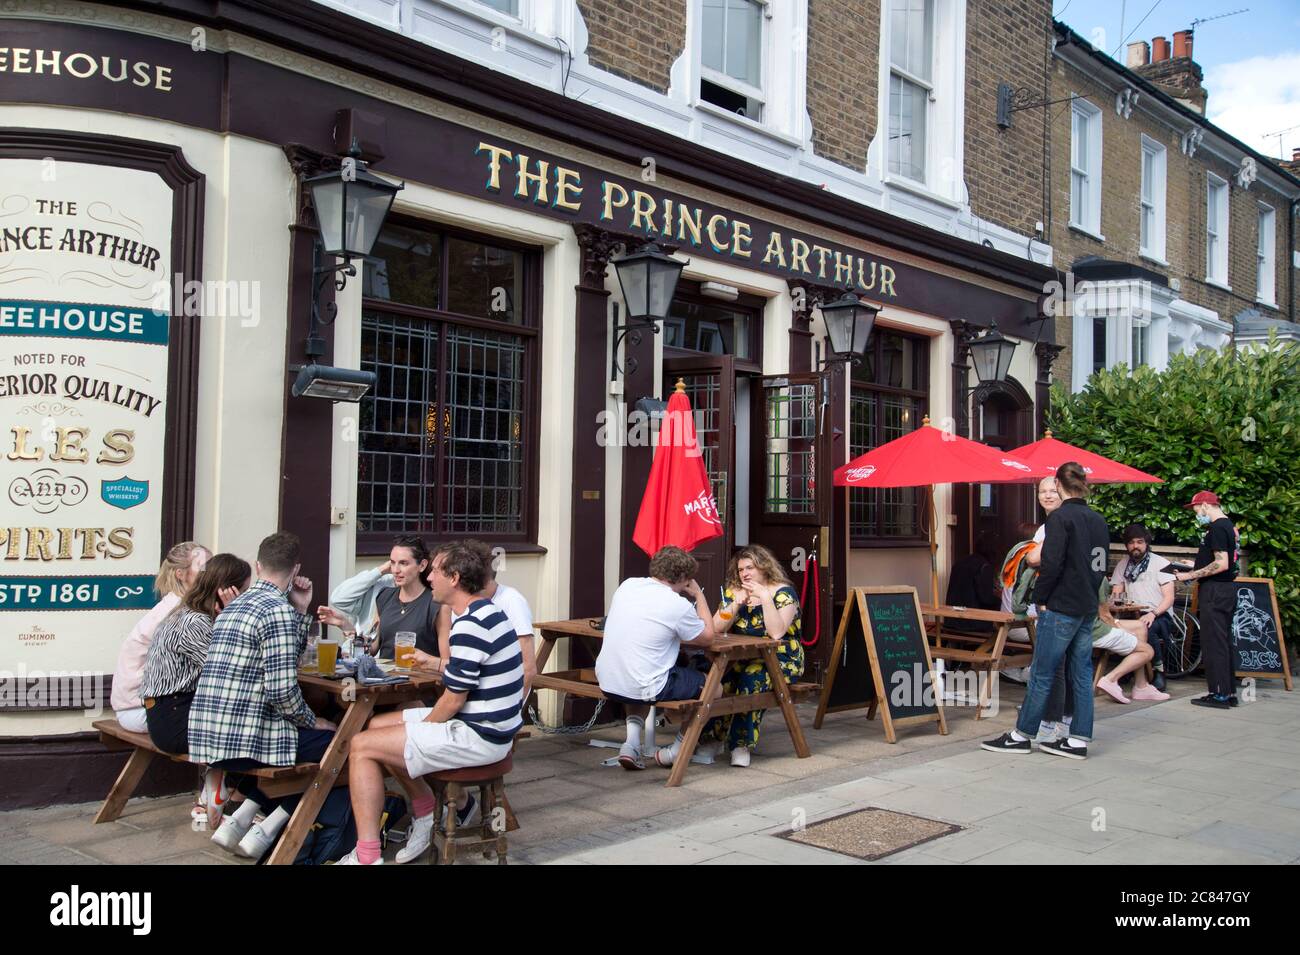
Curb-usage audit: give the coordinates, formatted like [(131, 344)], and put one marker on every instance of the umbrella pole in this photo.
[(934, 547)]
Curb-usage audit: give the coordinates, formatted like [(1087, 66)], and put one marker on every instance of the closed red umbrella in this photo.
[(678, 507), (1047, 454), (924, 458)]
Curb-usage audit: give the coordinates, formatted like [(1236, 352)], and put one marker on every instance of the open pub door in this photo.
[(791, 497)]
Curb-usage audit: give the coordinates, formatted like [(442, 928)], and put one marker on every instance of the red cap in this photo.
[(1204, 497)]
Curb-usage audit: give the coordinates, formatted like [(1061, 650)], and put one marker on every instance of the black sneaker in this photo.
[(1214, 702), (1158, 680), (1006, 744), (1060, 747)]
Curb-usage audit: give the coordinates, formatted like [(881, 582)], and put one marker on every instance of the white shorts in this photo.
[(132, 720), (451, 745), (1117, 640)]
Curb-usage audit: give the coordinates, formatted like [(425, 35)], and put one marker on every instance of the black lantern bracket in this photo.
[(1013, 99), (631, 332)]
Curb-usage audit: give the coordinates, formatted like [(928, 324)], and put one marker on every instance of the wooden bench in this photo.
[(275, 781), (691, 714)]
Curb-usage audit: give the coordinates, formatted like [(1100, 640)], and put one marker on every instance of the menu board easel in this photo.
[(881, 653)]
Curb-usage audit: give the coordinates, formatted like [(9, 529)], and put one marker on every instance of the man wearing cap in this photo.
[(1140, 576), (1215, 568)]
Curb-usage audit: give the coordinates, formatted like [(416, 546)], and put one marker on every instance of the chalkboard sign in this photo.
[(1258, 641), (881, 654)]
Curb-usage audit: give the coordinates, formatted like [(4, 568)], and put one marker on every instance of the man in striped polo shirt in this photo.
[(475, 719)]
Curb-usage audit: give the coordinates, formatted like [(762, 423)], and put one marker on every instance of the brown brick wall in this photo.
[(1185, 209), (843, 66), (637, 41), (1006, 41)]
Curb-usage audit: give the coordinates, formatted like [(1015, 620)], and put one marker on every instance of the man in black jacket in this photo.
[(1069, 578)]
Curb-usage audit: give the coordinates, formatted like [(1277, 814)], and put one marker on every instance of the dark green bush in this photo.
[(1226, 421)]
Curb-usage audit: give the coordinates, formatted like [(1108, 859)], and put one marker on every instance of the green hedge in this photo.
[(1226, 421)]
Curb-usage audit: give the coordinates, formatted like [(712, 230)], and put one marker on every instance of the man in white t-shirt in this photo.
[(648, 621), (1141, 578)]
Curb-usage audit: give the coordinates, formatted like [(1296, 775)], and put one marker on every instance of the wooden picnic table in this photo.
[(722, 653), (989, 652), (359, 702)]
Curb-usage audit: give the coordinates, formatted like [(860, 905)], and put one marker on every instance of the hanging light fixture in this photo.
[(991, 352)]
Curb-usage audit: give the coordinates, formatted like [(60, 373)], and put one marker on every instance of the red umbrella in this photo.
[(1047, 454), (926, 457), (678, 507)]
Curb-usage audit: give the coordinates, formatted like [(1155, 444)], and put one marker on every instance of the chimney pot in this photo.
[(1159, 49), (1139, 54), (1183, 44)]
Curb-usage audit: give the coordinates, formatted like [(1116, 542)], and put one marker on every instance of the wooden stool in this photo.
[(448, 784)]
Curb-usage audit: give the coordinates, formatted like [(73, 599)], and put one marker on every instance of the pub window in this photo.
[(510, 7), (697, 323), (888, 398), (911, 84), (731, 55), (447, 437)]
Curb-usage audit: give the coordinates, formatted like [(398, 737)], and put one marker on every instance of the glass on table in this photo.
[(404, 649)]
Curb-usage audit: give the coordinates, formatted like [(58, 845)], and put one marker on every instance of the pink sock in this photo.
[(367, 851), (423, 806)]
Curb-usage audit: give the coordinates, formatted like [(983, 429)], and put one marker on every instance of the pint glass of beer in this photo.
[(404, 649)]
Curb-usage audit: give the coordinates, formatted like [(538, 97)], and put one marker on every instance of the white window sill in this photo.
[(1218, 284), (1153, 260), (1272, 305), (747, 124), (919, 189), (1082, 230)]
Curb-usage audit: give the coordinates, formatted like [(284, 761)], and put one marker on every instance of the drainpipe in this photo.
[(1291, 250)]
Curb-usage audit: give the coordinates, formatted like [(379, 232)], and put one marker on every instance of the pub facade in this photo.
[(160, 294)]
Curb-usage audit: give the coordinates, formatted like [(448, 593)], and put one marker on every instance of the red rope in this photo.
[(812, 573)]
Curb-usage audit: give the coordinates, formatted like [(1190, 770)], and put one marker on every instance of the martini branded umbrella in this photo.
[(1047, 454), (930, 456), (678, 506)]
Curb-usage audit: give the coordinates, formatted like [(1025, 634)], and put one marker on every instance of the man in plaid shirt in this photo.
[(248, 710)]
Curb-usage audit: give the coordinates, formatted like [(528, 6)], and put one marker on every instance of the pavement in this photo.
[(1164, 783)]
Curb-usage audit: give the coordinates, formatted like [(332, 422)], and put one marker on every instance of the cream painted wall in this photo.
[(248, 205)]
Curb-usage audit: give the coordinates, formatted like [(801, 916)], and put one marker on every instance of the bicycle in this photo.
[(1183, 642)]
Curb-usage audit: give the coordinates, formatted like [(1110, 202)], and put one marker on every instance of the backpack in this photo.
[(1020, 577), (334, 833)]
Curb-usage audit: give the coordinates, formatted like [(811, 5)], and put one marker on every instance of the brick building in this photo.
[(1178, 232), (784, 150)]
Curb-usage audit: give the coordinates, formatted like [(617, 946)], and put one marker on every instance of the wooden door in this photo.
[(711, 388)]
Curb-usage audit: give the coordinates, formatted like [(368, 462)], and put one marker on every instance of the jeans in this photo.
[(1061, 700), (312, 744), (1060, 638), (1157, 634)]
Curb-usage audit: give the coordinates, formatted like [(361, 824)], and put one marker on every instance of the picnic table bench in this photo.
[(988, 653), (694, 713), (275, 781)]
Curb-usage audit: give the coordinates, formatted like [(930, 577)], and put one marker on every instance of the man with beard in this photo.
[(1141, 578)]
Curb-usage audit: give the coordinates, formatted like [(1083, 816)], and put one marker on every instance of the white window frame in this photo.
[(729, 82), (945, 145), (1087, 219), (1266, 256), (783, 70), (1151, 198), (1216, 238), (927, 85)]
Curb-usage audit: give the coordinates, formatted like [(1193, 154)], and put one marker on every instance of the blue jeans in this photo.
[(1060, 638)]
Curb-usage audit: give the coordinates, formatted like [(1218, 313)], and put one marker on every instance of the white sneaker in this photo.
[(214, 795), (711, 748), (256, 842), (418, 838), (351, 859), (629, 757), (740, 756), (229, 834)]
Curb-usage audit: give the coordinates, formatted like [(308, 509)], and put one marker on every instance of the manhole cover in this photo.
[(871, 834)]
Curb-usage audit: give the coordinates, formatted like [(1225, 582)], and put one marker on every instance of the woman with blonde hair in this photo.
[(177, 574), (758, 600)]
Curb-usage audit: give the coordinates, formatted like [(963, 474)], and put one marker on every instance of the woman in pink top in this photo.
[(176, 575)]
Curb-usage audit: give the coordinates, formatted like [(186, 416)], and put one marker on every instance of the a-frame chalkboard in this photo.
[(1259, 646), (881, 654)]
